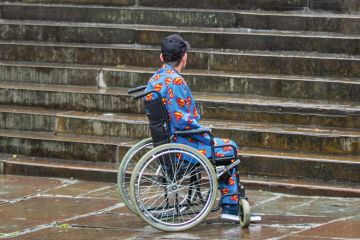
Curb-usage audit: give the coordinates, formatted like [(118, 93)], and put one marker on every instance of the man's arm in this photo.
[(179, 105)]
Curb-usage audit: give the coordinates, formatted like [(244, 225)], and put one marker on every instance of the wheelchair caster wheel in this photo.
[(244, 213)]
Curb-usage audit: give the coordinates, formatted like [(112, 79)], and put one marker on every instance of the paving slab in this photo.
[(77, 234), (331, 207), (211, 228), (72, 211), (298, 237), (298, 221), (80, 188), (45, 210), (283, 204), (257, 197), (121, 218), (13, 187), (339, 229), (111, 192)]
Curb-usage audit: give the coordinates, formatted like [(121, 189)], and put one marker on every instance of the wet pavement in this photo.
[(49, 208)]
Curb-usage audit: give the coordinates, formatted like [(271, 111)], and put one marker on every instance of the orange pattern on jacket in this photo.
[(178, 81), (188, 103), (234, 198), (178, 115), (181, 102), (227, 149), (171, 93), (158, 87), (231, 181), (167, 81), (225, 191), (196, 114), (190, 120), (203, 152), (217, 154), (149, 97)]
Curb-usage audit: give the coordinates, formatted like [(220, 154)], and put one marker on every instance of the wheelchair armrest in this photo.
[(137, 89), (192, 131), (146, 93)]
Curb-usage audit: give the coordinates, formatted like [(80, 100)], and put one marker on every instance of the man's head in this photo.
[(174, 51)]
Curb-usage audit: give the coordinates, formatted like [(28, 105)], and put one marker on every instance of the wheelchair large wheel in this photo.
[(127, 165), (173, 187)]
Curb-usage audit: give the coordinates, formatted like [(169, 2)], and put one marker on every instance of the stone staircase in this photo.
[(280, 77)]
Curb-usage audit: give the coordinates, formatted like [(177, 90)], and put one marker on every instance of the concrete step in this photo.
[(264, 62), (215, 106), (272, 163), (238, 39), (293, 21), (64, 146), (278, 5), (343, 6), (295, 87), (80, 2), (246, 134), (35, 166)]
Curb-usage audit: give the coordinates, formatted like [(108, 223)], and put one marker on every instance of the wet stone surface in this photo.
[(13, 187), (46, 208)]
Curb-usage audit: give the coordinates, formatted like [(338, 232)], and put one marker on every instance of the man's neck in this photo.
[(178, 68)]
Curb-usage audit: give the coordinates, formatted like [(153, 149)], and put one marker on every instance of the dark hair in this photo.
[(175, 63), (173, 49)]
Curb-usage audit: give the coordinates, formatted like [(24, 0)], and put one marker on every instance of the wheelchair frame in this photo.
[(167, 139)]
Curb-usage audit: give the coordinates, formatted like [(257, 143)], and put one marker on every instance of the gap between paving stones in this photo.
[(303, 204), (59, 223), (65, 182), (319, 225), (268, 200)]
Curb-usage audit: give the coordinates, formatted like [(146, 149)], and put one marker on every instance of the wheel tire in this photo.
[(244, 213), (145, 160), (128, 161)]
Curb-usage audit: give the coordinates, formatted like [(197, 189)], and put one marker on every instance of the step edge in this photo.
[(138, 47), (241, 126), (190, 72), (290, 188), (165, 28), (317, 105), (295, 13)]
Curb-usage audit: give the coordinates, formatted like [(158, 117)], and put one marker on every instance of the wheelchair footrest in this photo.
[(223, 170)]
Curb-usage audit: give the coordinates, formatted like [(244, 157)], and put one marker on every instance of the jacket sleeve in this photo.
[(179, 106)]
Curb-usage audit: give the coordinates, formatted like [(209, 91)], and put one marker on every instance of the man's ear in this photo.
[(184, 60), (161, 57)]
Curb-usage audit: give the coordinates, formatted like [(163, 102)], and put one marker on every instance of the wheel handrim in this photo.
[(129, 167), (177, 191)]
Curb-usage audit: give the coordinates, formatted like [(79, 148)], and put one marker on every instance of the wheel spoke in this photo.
[(173, 191)]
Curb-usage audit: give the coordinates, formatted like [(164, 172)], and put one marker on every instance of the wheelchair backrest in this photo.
[(157, 114), (158, 121)]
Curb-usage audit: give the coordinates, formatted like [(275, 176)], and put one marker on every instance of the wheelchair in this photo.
[(171, 186)]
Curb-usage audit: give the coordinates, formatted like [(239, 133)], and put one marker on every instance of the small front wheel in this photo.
[(244, 213)]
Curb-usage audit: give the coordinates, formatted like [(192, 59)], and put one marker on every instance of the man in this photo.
[(177, 98)]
